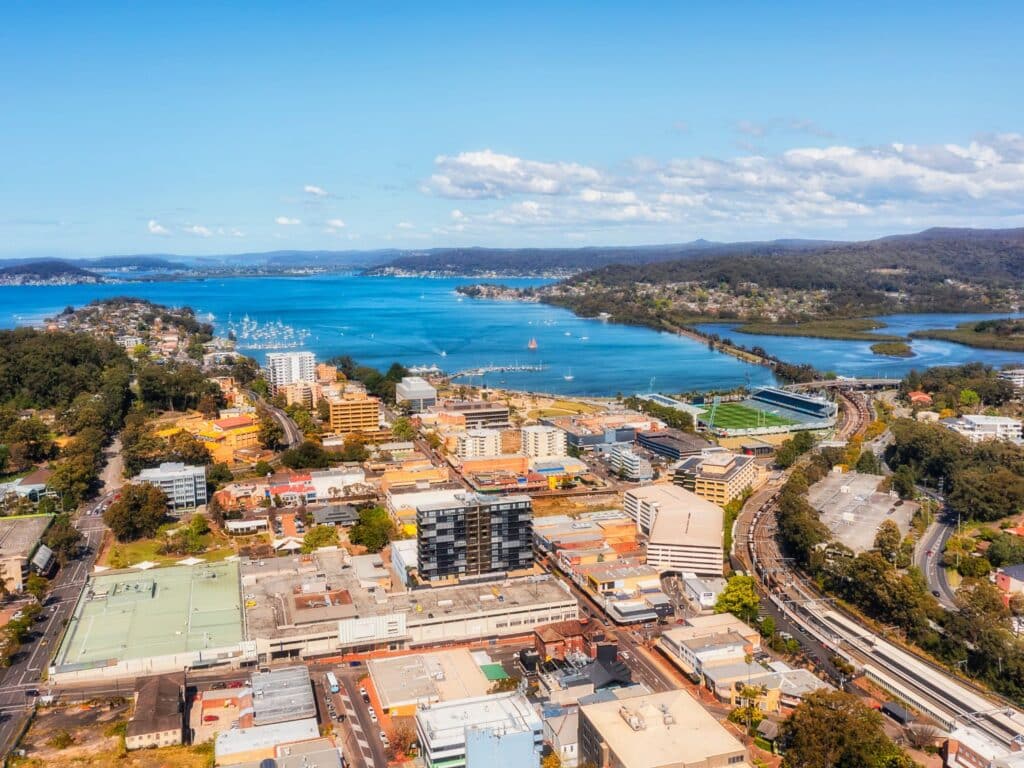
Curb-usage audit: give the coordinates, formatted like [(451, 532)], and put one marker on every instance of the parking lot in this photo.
[(852, 508)]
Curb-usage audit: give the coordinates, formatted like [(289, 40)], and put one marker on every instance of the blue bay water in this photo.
[(380, 320), (855, 358)]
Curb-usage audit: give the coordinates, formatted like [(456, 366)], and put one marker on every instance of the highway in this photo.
[(928, 553), (292, 434), (22, 680)]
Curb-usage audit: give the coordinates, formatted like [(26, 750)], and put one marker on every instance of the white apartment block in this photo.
[(1015, 376), (977, 428), (542, 442), (283, 368), (478, 444), (182, 484)]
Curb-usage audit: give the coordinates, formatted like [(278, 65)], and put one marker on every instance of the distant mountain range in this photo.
[(46, 271), (946, 252)]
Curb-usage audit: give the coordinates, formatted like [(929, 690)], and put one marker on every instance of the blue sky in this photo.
[(188, 128)]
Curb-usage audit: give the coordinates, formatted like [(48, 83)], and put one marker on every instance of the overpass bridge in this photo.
[(847, 383)]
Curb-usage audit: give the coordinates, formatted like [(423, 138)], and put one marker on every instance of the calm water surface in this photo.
[(419, 321), (855, 358)]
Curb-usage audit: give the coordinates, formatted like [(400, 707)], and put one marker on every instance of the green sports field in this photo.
[(738, 416)]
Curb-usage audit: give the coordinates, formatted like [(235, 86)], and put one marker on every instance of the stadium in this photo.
[(768, 411)]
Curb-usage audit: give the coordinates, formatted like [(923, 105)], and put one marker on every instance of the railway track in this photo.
[(925, 684)]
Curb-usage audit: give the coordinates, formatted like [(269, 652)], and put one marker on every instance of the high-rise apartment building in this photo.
[(541, 441), (478, 444), (472, 535), (289, 367)]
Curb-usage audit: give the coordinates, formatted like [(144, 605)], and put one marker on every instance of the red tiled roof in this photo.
[(234, 422)]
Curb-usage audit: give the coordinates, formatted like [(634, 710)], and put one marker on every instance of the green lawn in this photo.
[(737, 416), (130, 553)]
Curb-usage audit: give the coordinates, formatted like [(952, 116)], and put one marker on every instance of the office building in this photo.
[(473, 414), (684, 531), (182, 484), (625, 462), (472, 536), (500, 731), (672, 443), (541, 441), (478, 444), (283, 368), (354, 412), (659, 730), (417, 392), (720, 477), (978, 428)]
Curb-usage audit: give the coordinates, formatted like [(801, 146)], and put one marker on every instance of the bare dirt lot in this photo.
[(90, 736)]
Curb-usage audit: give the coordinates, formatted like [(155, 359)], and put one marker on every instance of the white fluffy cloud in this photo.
[(314, 190), (405, 225), (286, 221), (487, 174), (802, 188), (333, 225), (156, 228), (199, 230)]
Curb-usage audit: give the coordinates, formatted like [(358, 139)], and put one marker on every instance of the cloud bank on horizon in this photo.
[(804, 191), (895, 185)]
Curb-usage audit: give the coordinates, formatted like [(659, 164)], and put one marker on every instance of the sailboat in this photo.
[(532, 345), (569, 376)]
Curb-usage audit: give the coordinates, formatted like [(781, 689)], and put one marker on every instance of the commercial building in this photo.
[(183, 485), (478, 444), (500, 731), (417, 392), (317, 604), (403, 683), (625, 462), (472, 414), (541, 441), (659, 730), (673, 444), (473, 536), (354, 412), (595, 431), (283, 368), (684, 531), (971, 747), (158, 719), (978, 427), (132, 623), (720, 477), (19, 541)]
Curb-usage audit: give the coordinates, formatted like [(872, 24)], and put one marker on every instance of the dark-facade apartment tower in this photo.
[(474, 536)]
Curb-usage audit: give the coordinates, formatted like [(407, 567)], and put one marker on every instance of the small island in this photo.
[(892, 349)]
